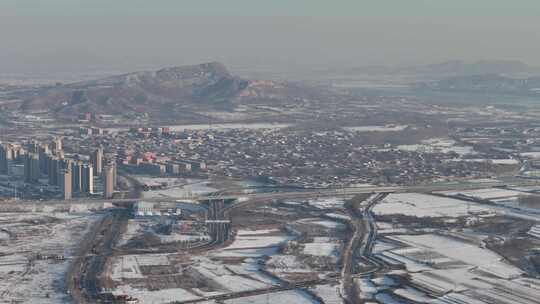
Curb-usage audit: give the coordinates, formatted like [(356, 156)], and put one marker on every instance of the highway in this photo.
[(360, 244), (369, 238), (218, 223), (83, 277), (307, 193), (91, 265)]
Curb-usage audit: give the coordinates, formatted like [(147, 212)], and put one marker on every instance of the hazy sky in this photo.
[(66, 35)]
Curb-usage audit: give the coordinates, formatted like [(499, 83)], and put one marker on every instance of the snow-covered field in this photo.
[(331, 250), (152, 259), (27, 235), (223, 277), (387, 228), (441, 145), (229, 280), (526, 188), (187, 190), (506, 161), (222, 126), (381, 246), (137, 227), (246, 253), (329, 293), (533, 155), (387, 128), (257, 241), (412, 294), (234, 277), (256, 232), (423, 205), (286, 263), (127, 266), (488, 194), (157, 181), (254, 243), (329, 224), (482, 258), (464, 271), (183, 238), (175, 187), (395, 259), (323, 223), (338, 216)]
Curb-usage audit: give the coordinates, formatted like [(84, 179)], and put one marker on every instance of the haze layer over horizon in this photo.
[(73, 35)]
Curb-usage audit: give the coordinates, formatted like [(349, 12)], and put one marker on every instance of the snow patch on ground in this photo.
[(328, 293), (327, 203), (323, 223), (256, 232), (322, 249), (257, 241), (156, 296), (296, 297), (286, 263)]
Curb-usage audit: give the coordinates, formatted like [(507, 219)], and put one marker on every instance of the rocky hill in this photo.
[(164, 90)]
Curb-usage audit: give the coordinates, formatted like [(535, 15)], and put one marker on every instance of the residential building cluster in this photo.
[(285, 157), (47, 163)]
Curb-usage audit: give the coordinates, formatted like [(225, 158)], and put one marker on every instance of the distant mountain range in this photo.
[(182, 91), (487, 83), (487, 76), (457, 68)]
